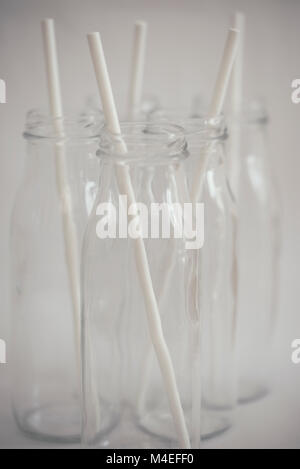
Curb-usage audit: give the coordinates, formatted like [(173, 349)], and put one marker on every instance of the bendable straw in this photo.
[(236, 103), (217, 103), (137, 70), (125, 187), (69, 229)]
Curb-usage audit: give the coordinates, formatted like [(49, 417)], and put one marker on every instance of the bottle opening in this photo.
[(197, 127), (85, 125), (143, 142)]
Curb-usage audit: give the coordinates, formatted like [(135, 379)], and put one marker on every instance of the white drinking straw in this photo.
[(69, 229), (219, 94), (236, 103), (137, 69), (125, 187)]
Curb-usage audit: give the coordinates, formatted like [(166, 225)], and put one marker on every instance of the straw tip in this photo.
[(234, 30), (93, 34), (93, 38), (47, 21), (141, 24)]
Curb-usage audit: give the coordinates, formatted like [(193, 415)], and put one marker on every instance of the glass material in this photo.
[(44, 364)]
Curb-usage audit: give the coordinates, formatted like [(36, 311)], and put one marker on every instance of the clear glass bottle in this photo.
[(45, 371), (217, 282), (258, 248), (124, 399)]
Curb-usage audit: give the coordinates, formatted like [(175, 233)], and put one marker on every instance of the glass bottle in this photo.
[(45, 368), (124, 399), (217, 278), (258, 248)]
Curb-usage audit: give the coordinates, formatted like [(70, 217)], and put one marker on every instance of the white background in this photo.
[(185, 44)]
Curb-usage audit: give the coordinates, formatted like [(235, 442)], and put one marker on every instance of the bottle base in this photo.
[(251, 392), (55, 423), (156, 431), (159, 426), (214, 424), (129, 434)]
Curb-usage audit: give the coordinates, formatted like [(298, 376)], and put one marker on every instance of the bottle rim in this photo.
[(202, 128), (81, 126)]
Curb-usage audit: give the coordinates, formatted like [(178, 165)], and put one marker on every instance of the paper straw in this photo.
[(217, 103), (69, 229), (147, 361), (137, 69), (236, 103), (125, 187)]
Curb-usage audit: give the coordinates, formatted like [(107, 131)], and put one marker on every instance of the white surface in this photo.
[(182, 59)]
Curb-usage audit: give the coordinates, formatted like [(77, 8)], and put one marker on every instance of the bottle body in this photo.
[(217, 285), (45, 350), (124, 395)]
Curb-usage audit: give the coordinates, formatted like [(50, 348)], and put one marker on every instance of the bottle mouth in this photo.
[(84, 125), (197, 127), (143, 143)]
